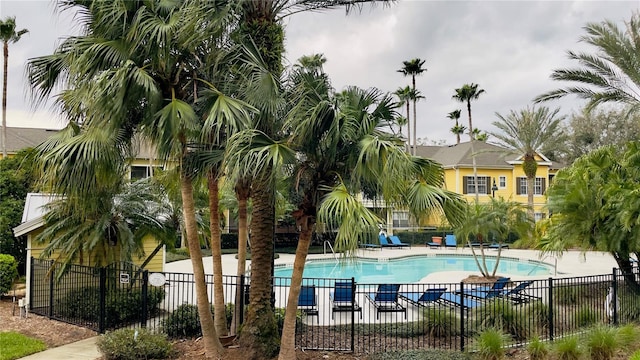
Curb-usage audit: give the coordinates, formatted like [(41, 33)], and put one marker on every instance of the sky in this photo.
[(508, 48)]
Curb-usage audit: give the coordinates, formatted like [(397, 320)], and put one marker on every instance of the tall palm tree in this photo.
[(404, 94), (149, 91), (456, 129), (9, 35), (608, 75), (465, 94), (412, 68), (337, 143), (528, 132)]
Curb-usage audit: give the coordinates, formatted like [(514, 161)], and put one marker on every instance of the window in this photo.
[(142, 172), (400, 219), (502, 182), (468, 185), (538, 186), (539, 216)]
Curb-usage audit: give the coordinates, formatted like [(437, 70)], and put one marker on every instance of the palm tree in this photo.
[(340, 145), (457, 129), (479, 135), (608, 75), (8, 34), (404, 97), (412, 68), (528, 132), (151, 91), (465, 94)]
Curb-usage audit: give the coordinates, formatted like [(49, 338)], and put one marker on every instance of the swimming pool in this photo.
[(410, 269)]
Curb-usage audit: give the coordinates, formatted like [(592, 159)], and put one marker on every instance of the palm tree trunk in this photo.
[(530, 191), (288, 341), (408, 127), (212, 346), (415, 118), (220, 318), (242, 193), (4, 98), (259, 337), (470, 122)]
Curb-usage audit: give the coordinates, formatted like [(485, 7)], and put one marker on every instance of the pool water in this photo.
[(410, 269)]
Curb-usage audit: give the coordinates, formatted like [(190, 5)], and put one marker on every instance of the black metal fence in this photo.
[(340, 314)]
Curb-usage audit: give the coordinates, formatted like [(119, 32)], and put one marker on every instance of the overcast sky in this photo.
[(509, 48)]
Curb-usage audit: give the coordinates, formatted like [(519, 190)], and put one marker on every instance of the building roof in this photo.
[(461, 155), (21, 138), (35, 207)]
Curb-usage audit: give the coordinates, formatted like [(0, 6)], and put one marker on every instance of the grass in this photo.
[(16, 345)]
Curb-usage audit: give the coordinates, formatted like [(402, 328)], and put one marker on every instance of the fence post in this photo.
[(462, 335), (145, 302), (242, 302), (103, 294), (353, 313), (614, 299), (31, 285), (550, 302), (52, 276)]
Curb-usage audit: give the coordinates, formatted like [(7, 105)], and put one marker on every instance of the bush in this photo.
[(566, 295), (628, 336), (134, 344), (420, 355), (122, 305), (586, 316), (537, 349), (635, 356), (567, 348), (441, 322), (601, 342), (490, 343), (503, 315), (184, 321), (8, 272)]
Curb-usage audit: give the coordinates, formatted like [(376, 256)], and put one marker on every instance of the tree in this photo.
[(118, 90), (608, 75), (456, 129), (404, 97), (9, 35), (492, 222), (412, 68), (530, 131), (465, 94), (595, 205), (335, 147)]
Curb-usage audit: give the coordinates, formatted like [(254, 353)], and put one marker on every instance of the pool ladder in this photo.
[(331, 248)]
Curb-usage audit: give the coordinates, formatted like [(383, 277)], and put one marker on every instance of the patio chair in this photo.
[(426, 298), (487, 292), (517, 294), (450, 241), (343, 298), (458, 300), (308, 300), (384, 242), (395, 240), (436, 242), (385, 299)]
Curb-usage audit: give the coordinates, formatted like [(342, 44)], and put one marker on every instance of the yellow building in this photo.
[(499, 173)]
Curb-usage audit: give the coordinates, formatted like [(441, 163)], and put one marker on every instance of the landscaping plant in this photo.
[(537, 349), (567, 348), (8, 272), (602, 342), (134, 344), (489, 344)]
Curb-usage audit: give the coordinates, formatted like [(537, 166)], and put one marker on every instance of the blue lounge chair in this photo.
[(385, 299), (308, 300), (487, 292), (343, 298), (517, 295), (384, 242), (395, 240), (450, 241), (433, 243), (498, 246), (428, 297), (460, 301)]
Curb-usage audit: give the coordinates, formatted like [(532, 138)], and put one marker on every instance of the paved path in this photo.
[(80, 350)]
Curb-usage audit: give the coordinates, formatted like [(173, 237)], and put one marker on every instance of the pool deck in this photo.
[(571, 263)]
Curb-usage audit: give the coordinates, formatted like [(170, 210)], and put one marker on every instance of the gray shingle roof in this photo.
[(460, 155), (22, 138)]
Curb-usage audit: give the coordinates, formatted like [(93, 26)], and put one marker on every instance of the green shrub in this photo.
[(503, 315), (628, 336), (586, 316), (8, 272), (489, 344), (566, 295), (635, 356), (134, 344), (430, 354), (538, 349), (601, 342), (122, 305), (441, 322), (538, 313), (567, 348), (184, 321)]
